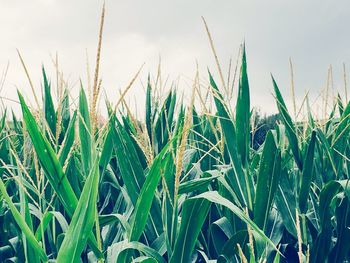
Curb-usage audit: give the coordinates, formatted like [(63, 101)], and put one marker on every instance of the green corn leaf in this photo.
[(115, 251), (332, 192), (221, 232), (277, 258), (145, 259), (145, 199), (241, 182), (48, 159), (268, 181), (85, 132), (3, 121), (342, 246), (230, 249), (311, 121), (194, 212), (82, 221), (45, 220), (52, 167), (170, 204), (49, 109), (329, 122), (196, 184), (43, 225), (329, 153), (133, 175), (29, 250), (322, 243), (68, 140), (307, 174), (290, 128), (243, 113), (111, 218), (130, 168), (286, 202), (65, 111), (22, 223), (107, 150), (131, 131), (149, 110), (340, 105), (164, 122), (214, 197), (339, 140)]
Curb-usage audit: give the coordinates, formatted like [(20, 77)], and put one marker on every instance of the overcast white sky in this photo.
[(314, 33)]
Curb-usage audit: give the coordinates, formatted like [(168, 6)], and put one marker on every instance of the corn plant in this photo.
[(182, 184)]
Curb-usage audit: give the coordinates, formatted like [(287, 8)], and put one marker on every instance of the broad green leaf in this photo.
[(164, 122), (194, 212), (306, 178), (48, 160), (114, 251), (342, 246), (148, 119), (111, 218), (68, 140), (145, 199), (107, 150), (49, 109), (322, 246), (214, 197), (221, 232), (322, 243), (340, 138), (52, 167), (243, 113), (286, 202), (29, 250), (230, 249), (130, 168), (290, 128), (22, 223), (85, 134), (329, 153), (82, 221), (43, 225), (3, 121), (133, 175), (196, 184), (144, 259), (65, 111), (340, 105), (268, 181), (241, 182), (45, 220)]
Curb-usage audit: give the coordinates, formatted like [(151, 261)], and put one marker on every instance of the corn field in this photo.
[(180, 184)]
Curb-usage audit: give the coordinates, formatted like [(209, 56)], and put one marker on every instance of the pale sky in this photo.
[(314, 34)]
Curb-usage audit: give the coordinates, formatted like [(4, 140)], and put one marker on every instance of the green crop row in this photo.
[(182, 184)]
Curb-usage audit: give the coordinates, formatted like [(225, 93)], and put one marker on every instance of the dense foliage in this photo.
[(182, 184)]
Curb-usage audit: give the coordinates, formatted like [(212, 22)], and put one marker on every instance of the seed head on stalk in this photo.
[(97, 82)]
